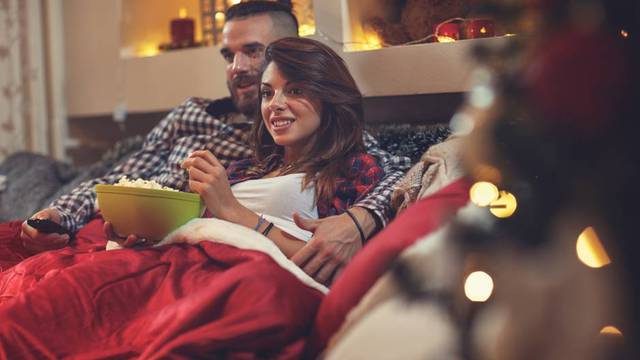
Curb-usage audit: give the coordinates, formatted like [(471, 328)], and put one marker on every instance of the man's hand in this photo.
[(35, 241), (334, 243)]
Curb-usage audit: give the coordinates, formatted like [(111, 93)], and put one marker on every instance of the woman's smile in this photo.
[(281, 123)]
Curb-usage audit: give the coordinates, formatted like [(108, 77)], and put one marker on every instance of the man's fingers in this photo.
[(305, 224), (326, 272), (303, 255), (315, 263), (130, 241), (44, 242), (28, 230)]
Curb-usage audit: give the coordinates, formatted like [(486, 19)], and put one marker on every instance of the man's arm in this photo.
[(378, 201), (336, 239), (79, 206)]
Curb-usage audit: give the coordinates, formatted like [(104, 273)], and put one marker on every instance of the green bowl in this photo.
[(147, 213)]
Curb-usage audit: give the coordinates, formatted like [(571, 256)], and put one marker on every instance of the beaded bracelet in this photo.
[(261, 221), (353, 217)]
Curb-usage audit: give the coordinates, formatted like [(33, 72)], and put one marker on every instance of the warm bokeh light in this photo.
[(483, 30), (478, 286), (147, 50), (306, 29), (610, 330), (590, 250), (624, 33), (483, 193), (487, 172), (504, 206), (232, 2), (445, 39), (369, 40), (219, 16), (182, 13)]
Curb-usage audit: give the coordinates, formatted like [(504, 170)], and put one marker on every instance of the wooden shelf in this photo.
[(99, 80)]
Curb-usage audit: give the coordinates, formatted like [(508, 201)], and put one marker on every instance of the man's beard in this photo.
[(247, 103)]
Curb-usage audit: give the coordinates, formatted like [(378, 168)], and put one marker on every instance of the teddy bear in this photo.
[(417, 18)]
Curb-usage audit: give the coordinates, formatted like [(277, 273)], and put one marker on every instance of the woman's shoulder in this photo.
[(361, 162), (237, 170)]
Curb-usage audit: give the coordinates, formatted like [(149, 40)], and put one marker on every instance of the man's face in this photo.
[(243, 45)]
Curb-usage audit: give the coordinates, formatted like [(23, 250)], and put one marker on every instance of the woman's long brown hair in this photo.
[(324, 77)]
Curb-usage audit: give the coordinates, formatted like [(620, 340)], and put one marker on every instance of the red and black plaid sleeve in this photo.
[(365, 174)]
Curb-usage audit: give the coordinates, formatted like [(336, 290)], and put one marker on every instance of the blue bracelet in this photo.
[(261, 221)]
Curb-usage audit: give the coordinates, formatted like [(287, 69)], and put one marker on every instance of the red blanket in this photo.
[(179, 301)]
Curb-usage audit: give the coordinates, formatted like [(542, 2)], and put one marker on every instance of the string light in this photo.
[(504, 206), (610, 330), (478, 286), (483, 193), (624, 33), (590, 250)]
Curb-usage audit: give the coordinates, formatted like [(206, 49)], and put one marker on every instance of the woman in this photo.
[(199, 298), (309, 139)]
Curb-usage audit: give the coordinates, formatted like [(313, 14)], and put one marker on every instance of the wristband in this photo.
[(266, 231), (355, 221)]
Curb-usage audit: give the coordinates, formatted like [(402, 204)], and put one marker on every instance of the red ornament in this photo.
[(576, 81), (479, 28)]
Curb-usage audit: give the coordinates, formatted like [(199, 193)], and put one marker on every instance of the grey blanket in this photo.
[(32, 181)]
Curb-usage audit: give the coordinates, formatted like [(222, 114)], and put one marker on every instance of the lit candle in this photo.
[(182, 30), (479, 28)]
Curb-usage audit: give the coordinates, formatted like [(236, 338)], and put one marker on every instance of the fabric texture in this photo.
[(423, 217), (439, 165), (276, 199), (204, 124), (191, 298), (364, 175), (396, 322)]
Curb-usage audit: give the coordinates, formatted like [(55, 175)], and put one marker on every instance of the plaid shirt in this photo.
[(364, 174), (216, 126)]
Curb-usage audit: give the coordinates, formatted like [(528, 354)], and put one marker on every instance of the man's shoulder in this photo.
[(213, 107)]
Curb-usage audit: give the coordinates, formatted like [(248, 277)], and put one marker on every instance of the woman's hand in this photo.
[(208, 178)]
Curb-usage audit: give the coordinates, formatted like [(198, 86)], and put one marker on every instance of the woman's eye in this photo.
[(296, 91), (266, 93)]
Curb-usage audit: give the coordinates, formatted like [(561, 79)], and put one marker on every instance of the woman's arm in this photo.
[(208, 178)]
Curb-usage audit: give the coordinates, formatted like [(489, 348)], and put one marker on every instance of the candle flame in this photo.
[(443, 39), (483, 30), (182, 13)]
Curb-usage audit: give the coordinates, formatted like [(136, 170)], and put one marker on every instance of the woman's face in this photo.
[(289, 114)]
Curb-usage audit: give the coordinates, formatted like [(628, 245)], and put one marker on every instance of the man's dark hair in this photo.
[(281, 13)]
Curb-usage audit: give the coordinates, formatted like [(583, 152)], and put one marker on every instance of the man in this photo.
[(222, 126)]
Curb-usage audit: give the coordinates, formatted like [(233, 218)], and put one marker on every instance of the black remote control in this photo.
[(47, 226)]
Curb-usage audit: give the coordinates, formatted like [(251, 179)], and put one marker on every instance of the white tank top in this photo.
[(277, 199)]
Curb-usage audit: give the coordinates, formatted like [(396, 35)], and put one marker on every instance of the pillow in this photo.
[(422, 218), (410, 140)]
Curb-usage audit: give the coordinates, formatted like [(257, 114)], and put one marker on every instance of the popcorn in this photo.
[(141, 183)]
